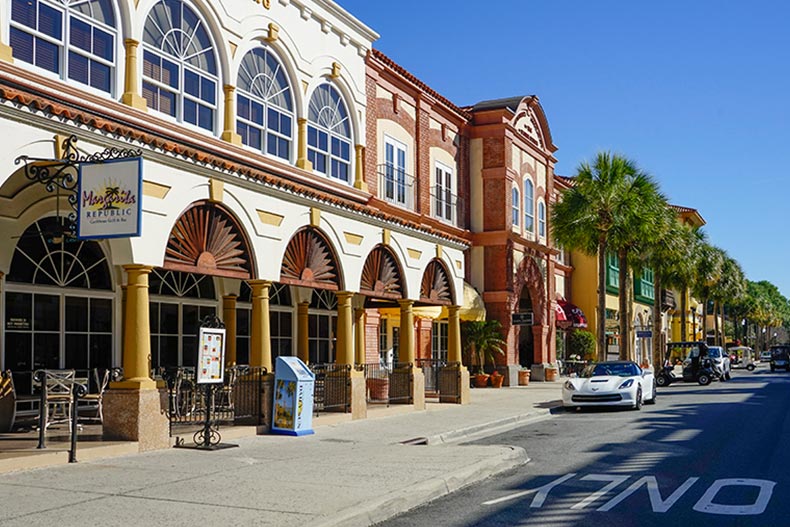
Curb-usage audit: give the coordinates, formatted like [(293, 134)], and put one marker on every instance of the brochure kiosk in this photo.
[(293, 397)]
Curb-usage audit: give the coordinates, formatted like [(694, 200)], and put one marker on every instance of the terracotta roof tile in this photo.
[(80, 116)]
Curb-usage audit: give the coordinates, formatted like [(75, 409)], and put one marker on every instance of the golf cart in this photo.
[(697, 366), (742, 357)]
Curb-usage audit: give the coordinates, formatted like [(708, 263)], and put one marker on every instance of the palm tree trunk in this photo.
[(623, 304), (716, 327), (705, 319), (601, 321), (658, 354), (723, 326), (683, 309)]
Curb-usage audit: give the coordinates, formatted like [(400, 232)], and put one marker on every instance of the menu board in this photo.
[(211, 356)]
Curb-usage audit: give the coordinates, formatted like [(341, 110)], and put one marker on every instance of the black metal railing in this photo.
[(446, 206), (389, 383), (572, 368), (238, 400), (450, 382), (332, 389), (431, 369), (396, 186)]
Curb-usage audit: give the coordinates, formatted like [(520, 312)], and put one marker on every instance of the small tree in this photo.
[(483, 340), (582, 343)]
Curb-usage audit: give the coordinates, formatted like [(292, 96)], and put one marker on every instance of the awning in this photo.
[(574, 318), (559, 314), (472, 308)]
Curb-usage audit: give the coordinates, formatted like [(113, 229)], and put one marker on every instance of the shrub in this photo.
[(582, 343)]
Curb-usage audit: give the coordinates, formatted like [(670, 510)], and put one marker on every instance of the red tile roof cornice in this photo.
[(114, 118), (403, 72)]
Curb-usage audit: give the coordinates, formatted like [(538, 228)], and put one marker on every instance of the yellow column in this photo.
[(301, 145), (137, 331), (229, 133), (260, 332), (303, 332), (406, 351), (359, 335), (359, 172), (345, 345), (131, 95), (453, 335), (229, 317)]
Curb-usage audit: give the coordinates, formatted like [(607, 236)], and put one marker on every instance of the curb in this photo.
[(381, 509), (489, 428)]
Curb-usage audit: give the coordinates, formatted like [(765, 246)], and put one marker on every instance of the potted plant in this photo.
[(497, 379), (483, 340), (523, 376)]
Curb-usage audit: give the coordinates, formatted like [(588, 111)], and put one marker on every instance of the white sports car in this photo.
[(616, 383)]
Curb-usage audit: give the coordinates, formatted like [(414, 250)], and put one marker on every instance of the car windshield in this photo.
[(618, 369), (714, 352), (779, 352)]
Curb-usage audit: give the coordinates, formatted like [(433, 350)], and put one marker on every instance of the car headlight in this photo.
[(569, 386), (626, 384)]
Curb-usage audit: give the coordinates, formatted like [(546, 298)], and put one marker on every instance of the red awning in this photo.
[(559, 314), (574, 317)]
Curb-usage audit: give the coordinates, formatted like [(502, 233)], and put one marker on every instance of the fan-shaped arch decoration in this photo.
[(208, 240), (310, 261), (436, 286), (381, 275)]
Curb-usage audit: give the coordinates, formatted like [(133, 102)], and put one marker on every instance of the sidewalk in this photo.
[(349, 473)]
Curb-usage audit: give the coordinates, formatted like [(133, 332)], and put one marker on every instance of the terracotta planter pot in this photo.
[(379, 389), (481, 380), (551, 374), (497, 381), (523, 377)]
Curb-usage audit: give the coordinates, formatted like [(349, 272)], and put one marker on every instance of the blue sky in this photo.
[(698, 93)]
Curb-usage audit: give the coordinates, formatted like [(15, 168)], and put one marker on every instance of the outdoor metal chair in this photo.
[(94, 400)]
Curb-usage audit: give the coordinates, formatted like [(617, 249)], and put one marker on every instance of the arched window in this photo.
[(529, 206), (74, 39), (265, 109), (179, 301), (179, 64), (541, 219), (58, 305), (329, 133), (516, 207)]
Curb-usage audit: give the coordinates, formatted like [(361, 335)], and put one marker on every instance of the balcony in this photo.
[(396, 186), (445, 205)]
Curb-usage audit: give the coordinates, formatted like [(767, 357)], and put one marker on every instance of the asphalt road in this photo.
[(715, 455)]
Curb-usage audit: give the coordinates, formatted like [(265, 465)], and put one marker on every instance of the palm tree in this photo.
[(636, 230), (585, 216), (483, 340), (682, 274), (728, 290), (708, 273), (664, 256)]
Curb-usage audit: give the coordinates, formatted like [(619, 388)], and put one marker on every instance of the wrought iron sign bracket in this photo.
[(59, 176)]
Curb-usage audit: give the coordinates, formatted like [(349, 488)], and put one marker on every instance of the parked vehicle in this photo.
[(697, 366), (743, 357), (780, 357), (615, 383), (721, 362), (765, 355)]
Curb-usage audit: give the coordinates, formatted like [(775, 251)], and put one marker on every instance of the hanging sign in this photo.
[(109, 199), (211, 356)]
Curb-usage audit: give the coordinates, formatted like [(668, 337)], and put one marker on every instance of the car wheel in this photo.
[(652, 400), (638, 402), (661, 380), (729, 376), (703, 379), (750, 367)]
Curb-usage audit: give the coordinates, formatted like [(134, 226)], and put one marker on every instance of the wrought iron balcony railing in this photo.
[(396, 186), (445, 205)]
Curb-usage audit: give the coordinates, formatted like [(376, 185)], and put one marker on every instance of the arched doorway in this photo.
[(383, 285), (526, 342), (59, 305)]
